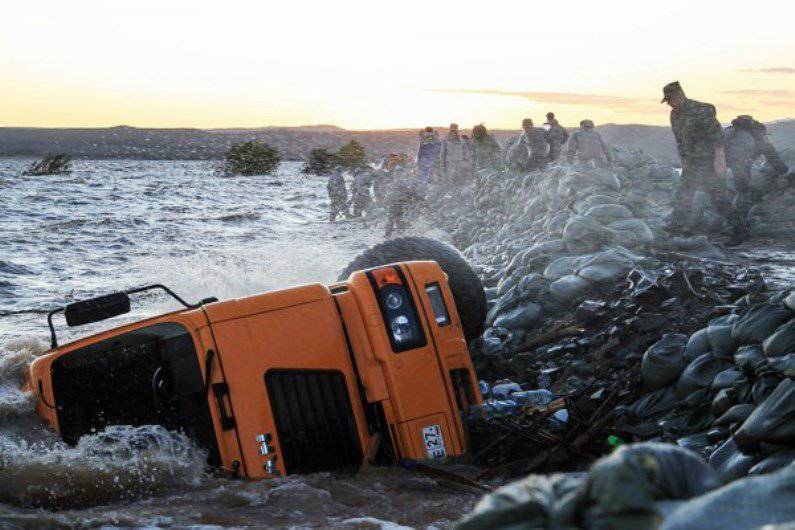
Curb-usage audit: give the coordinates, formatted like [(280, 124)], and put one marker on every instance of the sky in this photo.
[(380, 65)]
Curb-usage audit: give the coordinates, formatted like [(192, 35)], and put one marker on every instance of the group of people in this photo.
[(706, 151), (399, 181)]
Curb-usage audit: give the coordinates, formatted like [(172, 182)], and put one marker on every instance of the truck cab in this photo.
[(306, 379)]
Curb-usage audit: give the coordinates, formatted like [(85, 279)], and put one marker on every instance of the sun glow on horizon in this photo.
[(359, 65)]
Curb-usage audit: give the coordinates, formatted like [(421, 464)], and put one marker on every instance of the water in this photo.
[(116, 224)]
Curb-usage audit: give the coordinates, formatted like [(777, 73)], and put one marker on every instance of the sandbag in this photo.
[(638, 228), (524, 504), (782, 341), (785, 364), (750, 359), (697, 345), (773, 463), (664, 362), (608, 213), (730, 463), (763, 387), (603, 273), (749, 503), (569, 289), (725, 379), (720, 337), (759, 322), (700, 374), (521, 317), (622, 489), (773, 421), (561, 267), (583, 234), (654, 403), (789, 301), (736, 414), (722, 402)]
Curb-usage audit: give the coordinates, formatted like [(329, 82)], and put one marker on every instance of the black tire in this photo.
[(470, 299)]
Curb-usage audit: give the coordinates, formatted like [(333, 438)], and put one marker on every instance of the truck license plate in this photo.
[(434, 442)]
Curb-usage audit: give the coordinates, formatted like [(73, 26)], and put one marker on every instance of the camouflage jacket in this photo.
[(697, 132), (557, 133), (487, 153)]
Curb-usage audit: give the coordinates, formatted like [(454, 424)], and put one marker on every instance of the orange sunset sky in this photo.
[(377, 65)]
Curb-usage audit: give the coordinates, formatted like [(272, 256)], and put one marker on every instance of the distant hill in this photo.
[(293, 142)]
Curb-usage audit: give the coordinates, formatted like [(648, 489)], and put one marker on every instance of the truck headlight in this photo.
[(401, 328), (393, 300), (398, 308)]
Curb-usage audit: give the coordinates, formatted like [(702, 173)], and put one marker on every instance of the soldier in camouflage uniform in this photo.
[(558, 134), (746, 141), (486, 152), (701, 145)]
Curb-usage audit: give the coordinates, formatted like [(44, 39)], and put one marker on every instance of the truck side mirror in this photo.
[(97, 309)]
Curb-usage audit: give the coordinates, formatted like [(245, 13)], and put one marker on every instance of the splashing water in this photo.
[(115, 224)]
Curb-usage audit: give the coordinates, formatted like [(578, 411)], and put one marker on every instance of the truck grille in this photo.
[(462, 386), (314, 420)]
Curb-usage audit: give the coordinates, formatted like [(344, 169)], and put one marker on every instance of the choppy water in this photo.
[(116, 224)]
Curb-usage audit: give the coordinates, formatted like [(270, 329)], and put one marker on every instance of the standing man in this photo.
[(454, 157), (486, 152), (337, 194), (557, 134), (587, 146), (746, 141), (427, 154), (531, 150), (701, 145)]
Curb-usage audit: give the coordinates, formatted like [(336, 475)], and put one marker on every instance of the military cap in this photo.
[(671, 89)]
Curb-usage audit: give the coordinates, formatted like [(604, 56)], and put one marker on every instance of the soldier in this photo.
[(428, 154), (558, 134), (454, 163), (361, 198), (701, 145), (337, 194), (587, 146), (746, 141), (486, 152), (531, 150)]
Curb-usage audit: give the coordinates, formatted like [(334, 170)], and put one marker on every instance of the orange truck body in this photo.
[(300, 380)]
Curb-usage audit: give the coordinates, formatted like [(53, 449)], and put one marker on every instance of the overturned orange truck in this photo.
[(312, 378)]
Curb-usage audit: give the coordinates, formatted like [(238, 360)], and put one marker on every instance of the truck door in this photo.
[(288, 387)]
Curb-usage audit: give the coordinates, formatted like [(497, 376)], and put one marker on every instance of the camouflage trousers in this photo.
[(746, 196), (702, 177)]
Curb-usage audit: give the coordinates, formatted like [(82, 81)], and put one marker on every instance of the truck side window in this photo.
[(437, 304)]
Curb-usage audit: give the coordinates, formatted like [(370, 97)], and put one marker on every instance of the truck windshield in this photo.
[(148, 376)]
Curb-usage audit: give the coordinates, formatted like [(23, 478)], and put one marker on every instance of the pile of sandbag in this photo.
[(644, 486), (545, 241), (727, 391)]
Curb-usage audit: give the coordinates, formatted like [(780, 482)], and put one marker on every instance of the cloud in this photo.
[(772, 70), (763, 93), (558, 98)]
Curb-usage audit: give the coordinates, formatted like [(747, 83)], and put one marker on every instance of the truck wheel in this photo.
[(470, 299)]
